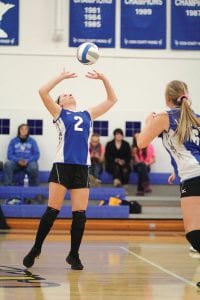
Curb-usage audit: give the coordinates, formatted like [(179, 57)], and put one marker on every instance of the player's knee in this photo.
[(78, 219), (193, 238), (50, 215)]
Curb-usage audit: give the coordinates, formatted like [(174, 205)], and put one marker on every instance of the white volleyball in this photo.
[(87, 53)]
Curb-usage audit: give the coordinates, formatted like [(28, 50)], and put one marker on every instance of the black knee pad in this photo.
[(50, 215), (78, 219), (193, 238)]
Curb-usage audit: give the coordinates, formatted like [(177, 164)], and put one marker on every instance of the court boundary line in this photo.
[(182, 279), (159, 267)]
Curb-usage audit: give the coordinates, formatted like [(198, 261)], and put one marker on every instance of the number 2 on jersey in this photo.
[(77, 125)]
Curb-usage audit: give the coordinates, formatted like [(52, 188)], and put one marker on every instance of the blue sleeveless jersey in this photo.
[(185, 158), (74, 129)]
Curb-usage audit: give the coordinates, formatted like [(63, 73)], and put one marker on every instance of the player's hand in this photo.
[(171, 178), (95, 75), (68, 74)]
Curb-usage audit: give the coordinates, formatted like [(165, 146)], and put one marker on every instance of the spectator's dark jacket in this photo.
[(111, 153)]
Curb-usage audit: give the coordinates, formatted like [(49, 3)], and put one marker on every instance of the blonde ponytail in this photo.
[(177, 93), (186, 122)]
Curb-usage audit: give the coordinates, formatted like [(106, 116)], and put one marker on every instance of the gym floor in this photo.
[(139, 265)]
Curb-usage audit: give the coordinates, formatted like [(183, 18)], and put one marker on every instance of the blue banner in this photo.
[(9, 23), (92, 21), (143, 24), (185, 25)]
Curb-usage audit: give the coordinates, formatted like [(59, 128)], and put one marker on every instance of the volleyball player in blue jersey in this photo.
[(70, 169), (180, 131)]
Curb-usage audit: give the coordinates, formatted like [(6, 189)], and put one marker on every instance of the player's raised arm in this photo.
[(111, 98), (44, 91)]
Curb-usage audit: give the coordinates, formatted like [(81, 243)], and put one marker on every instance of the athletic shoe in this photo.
[(192, 249), (117, 182), (193, 253), (29, 259), (75, 262)]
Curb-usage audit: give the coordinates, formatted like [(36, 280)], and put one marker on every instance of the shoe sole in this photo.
[(28, 265), (68, 260)]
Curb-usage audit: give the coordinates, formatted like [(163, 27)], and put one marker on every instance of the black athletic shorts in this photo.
[(190, 187), (71, 176)]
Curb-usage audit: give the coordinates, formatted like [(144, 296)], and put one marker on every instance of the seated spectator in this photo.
[(97, 159), (118, 158), (142, 161), (22, 154)]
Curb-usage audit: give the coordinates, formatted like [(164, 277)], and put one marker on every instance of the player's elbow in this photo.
[(113, 100), (40, 91)]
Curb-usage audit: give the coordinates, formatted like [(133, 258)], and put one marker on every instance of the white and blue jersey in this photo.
[(74, 129), (185, 157)]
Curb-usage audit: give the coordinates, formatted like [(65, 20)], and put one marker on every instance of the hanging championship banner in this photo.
[(92, 21), (185, 25), (9, 22), (143, 24)]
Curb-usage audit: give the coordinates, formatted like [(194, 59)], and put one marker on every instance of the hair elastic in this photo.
[(180, 99)]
